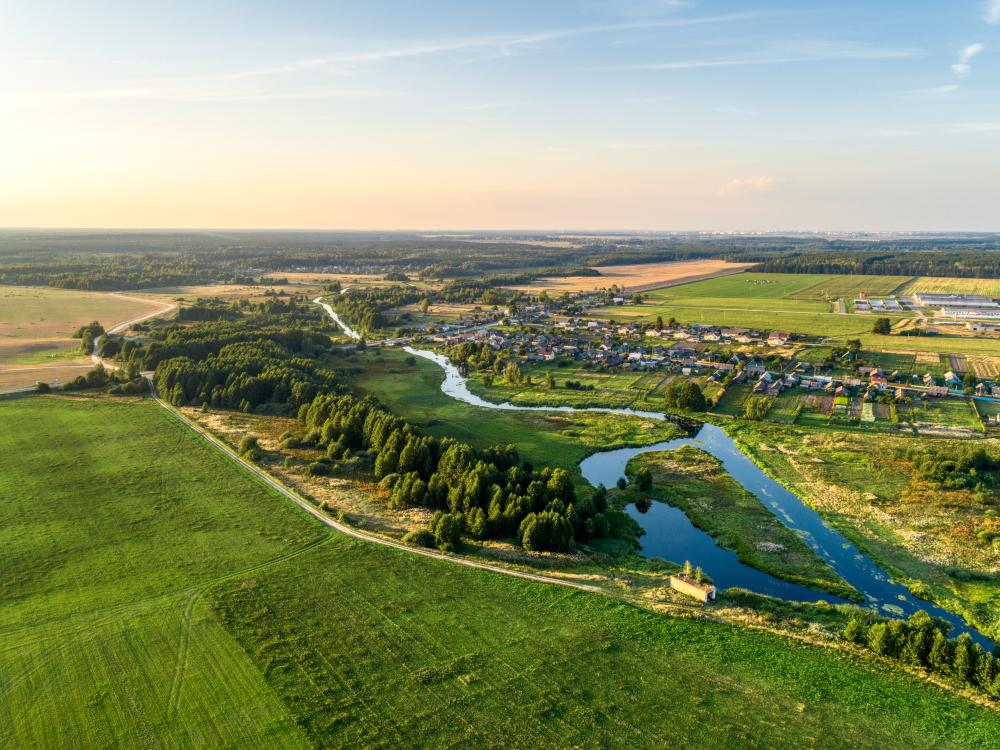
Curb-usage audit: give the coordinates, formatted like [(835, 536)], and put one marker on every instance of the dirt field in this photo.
[(37, 323), (17, 377), (35, 313), (639, 277)]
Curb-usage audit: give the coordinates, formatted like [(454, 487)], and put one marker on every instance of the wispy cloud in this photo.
[(946, 88), (991, 11), (965, 55), (786, 54), (746, 185), (502, 44), (974, 127)]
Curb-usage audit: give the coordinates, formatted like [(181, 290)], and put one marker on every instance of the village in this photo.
[(769, 362)]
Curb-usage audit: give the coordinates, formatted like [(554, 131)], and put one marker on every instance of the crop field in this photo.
[(786, 407), (153, 594), (34, 313), (638, 276), (798, 303), (851, 286), (986, 287), (375, 648), (114, 520), (731, 401)]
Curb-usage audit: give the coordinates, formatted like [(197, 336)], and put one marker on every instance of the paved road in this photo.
[(343, 528)]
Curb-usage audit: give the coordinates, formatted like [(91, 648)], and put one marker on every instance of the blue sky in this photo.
[(643, 114)]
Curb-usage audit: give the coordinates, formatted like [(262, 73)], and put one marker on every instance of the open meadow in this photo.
[(797, 303), (153, 594), (637, 276), (37, 324)]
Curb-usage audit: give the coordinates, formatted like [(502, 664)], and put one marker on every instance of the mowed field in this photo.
[(638, 276), (152, 595), (987, 287), (797, 303), (36, 325)]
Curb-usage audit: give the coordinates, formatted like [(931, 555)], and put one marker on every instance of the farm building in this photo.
[(954, 300)]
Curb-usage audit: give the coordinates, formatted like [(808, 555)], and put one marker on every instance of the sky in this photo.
[(466, 114)]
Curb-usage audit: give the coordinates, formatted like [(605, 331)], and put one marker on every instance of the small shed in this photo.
[(701, 591)]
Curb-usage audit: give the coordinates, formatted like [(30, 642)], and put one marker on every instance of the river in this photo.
[(669, 533)]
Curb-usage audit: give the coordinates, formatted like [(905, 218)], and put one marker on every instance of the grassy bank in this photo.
[(929, 537), (695, 482)]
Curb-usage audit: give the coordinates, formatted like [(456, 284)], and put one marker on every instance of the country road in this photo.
[(345, 529), (165, 307)]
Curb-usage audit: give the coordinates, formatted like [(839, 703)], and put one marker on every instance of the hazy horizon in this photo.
[(574, 115)]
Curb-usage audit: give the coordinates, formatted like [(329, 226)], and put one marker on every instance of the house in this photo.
[(938, 391), (703, 592), (980, 389), (778, 339), (929, 379)]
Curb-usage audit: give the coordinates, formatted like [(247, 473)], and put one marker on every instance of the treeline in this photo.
[(244, 376), (923, 642), (483, 493), (961, 263), (365, 308), (299, 327)]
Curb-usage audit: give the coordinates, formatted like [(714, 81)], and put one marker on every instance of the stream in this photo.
[(671, 535)]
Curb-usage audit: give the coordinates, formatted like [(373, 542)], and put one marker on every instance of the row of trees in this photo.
[(922, 642), (493, 493)]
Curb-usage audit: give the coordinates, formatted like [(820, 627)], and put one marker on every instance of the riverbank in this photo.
[(695, 482)]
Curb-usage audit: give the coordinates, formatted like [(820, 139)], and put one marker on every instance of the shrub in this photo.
[(422, 537)]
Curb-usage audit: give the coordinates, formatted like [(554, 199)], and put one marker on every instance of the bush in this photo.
[(41, 387), (248, 448), (421, 537), (318, 469)]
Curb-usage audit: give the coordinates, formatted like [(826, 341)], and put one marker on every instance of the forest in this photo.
[(109, 261)]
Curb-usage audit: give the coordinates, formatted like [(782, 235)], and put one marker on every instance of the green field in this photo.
[(114, 523), (798, 303), (155, 596), (545, 438), (987, 287)]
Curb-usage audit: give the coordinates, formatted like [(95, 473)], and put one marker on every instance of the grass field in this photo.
[(152, 595), (637, 276), (554, 439), (987, 287), (798, 303), (925, 536), (413, 653), (114, 520)]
